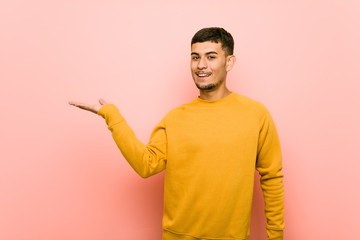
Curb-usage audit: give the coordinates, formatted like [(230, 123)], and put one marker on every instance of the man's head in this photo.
[(216, 35), (211, 58)]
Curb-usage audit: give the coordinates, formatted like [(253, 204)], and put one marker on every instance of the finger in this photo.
[(102, 101), (84, 106), (73, 103), (77, 104)]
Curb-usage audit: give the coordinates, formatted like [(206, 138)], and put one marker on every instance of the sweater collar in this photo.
[(224, 99)]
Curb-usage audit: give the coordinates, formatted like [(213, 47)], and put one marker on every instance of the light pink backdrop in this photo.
[(61, 175)]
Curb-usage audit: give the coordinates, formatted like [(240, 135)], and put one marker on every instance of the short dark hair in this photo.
[(215, 34)]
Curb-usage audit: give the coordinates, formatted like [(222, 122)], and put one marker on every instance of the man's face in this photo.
[(209, 65)]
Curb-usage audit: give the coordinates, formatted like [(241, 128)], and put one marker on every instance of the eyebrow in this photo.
[(208, 53)]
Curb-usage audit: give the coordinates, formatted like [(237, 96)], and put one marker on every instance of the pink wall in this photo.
[(61, 176)]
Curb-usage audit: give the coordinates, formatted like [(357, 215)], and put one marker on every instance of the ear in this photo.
[(230, 62)]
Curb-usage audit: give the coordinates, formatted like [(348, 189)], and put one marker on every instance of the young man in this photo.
[(210, 148)]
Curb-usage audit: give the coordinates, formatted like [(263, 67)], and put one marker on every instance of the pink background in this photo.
[(61, 175)]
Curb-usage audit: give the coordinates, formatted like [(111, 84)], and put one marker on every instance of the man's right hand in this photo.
[(89, 107)]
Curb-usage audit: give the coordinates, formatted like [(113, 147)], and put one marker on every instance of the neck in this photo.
[(211, 95)]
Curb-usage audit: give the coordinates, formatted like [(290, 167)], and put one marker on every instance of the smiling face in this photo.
[(209, 65)]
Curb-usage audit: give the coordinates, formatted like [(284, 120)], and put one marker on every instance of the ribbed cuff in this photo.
[(275, 234), (111, 114)]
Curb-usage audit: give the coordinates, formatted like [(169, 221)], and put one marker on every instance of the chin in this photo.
[(210, 86)]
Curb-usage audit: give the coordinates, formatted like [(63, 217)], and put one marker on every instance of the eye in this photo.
[(195, 57), (211, 57)]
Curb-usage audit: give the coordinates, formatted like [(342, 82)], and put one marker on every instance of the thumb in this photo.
[(102, 101)]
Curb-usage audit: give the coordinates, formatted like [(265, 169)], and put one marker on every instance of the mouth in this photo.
[(203, 74)]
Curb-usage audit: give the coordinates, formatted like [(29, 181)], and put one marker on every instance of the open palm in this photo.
[(89, 107)]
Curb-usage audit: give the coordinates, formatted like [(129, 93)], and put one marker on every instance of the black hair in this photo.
[(215, 34)]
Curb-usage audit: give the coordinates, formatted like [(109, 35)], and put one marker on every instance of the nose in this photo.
[(202, 64)]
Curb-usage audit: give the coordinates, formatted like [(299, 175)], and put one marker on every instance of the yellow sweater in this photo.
[(210, 150)]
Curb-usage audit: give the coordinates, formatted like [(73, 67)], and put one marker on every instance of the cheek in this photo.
[(218, 68)]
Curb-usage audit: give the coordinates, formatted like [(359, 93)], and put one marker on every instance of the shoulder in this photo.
[(254, 109), (249, 104), (180, 109)]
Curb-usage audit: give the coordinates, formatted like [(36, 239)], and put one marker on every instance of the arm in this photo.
[(269, 165), (146, 160)]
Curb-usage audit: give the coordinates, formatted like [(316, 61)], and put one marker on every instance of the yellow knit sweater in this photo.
[(210, 150)]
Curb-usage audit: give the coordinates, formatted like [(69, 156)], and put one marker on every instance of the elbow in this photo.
[(144, 175), (142, 172), (272, 177)]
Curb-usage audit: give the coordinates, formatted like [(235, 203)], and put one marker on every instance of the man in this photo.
[(210, 148)]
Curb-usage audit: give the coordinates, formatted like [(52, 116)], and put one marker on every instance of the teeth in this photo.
[(203, 75)]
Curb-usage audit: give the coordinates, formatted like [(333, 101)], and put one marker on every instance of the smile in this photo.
[(203, 74)]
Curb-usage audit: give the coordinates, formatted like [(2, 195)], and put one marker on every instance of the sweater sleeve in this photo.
[(146, 160), (269, 166)]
